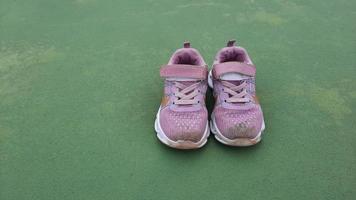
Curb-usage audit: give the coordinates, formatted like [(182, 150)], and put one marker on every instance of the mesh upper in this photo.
[(235, 124), (187, 125)]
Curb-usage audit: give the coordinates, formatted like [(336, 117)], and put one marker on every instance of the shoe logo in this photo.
[(165, 100), (255, 99)]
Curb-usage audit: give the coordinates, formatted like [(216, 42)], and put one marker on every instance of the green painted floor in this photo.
[(80, 87)]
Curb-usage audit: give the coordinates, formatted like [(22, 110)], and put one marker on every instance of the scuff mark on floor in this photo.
[(268, 18), (202, 4), (16, 60), (331, 100), (83, 1)]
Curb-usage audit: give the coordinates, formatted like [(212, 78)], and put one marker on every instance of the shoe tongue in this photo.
[(233, 76), (236, 81), (185, 81)]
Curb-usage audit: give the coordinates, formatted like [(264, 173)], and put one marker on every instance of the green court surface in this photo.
[(80, 88)]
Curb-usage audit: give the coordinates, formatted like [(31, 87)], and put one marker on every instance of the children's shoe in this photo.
[(182, 119), (237, 118)]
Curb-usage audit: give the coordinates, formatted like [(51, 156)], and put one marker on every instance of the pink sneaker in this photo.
[(182, 119), (237, 118)]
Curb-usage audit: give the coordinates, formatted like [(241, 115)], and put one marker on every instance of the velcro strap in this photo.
[(184, 71), (233, 67)]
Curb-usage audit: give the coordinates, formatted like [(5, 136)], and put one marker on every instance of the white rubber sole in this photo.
[(241, 142), (180, 144)]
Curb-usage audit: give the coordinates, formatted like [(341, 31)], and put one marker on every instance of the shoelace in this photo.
[(186, 94), (238, 93)]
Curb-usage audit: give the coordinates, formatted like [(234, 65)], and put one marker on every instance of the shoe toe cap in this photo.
[(183, 126), (237, 124)]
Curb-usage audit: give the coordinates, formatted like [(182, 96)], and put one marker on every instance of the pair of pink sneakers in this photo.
[(182, 119)]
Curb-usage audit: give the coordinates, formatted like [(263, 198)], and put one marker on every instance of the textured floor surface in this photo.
[(79, 90)]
